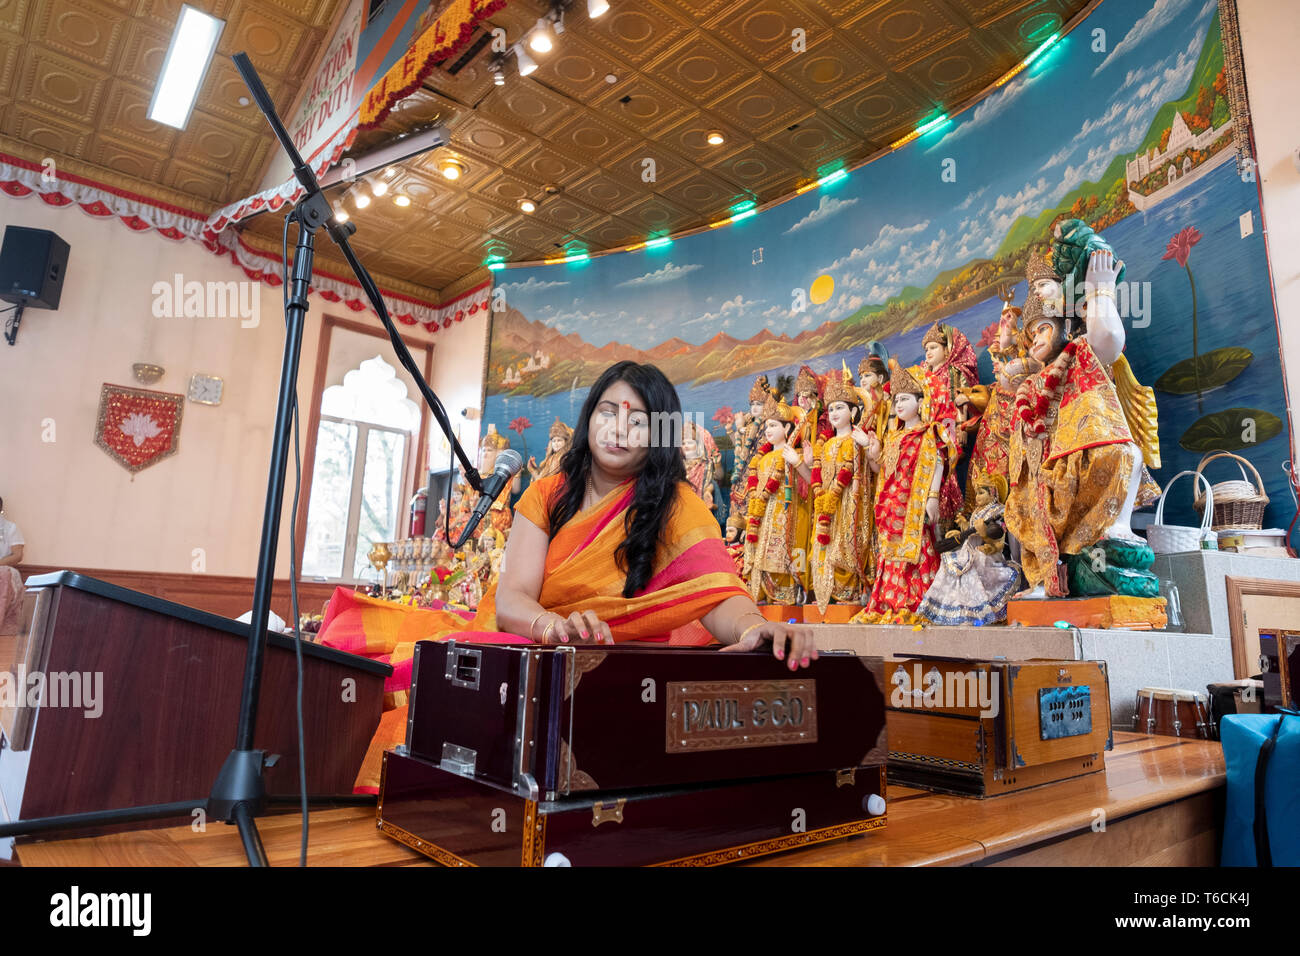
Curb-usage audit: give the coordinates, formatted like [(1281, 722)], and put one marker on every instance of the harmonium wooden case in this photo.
[(1279, 666), (632, 755), (987, 727)]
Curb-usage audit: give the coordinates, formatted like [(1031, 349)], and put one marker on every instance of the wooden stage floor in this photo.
[(1161, 797)]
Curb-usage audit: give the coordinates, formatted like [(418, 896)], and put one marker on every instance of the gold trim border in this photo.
[(431, 850), (749, 851)]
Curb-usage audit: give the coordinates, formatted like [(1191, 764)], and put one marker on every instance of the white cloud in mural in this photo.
[(1127, 118), (888, 238), (894, 260), (969, 200), (991, 107), (1027, 194), (533, 284), (828, 207), (1161, 14), (667, 274), (731, 309)]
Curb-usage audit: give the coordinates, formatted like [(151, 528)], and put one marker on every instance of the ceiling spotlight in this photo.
[(542, 40), (527, 205), (340, 214), (526, 63), (596, 7), (451, 169), (402, 200), (715, 138), (390, 172), (362, 200), (498, 78), (379, 188)]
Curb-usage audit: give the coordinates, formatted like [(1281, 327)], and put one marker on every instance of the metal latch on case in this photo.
[(463, 666), (458, 760), (613, 813)]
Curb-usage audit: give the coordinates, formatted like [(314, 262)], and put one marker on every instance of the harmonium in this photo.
[(987, 727), (625, 755), (1279, 667)]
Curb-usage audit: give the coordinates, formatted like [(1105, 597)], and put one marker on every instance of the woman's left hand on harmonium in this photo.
[(790, 642), (580, 627)]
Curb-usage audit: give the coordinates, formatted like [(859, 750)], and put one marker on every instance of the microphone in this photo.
[(509, 463)]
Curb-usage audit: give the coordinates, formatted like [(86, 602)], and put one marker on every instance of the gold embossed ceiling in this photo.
[(871, 70), (77, 76)]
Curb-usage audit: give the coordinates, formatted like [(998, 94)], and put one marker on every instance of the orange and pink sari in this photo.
[(692, 574)]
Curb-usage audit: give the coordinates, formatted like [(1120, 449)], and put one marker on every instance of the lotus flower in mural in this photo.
[(1180, 246), (724, 415), (519, 426), (1200, 372)]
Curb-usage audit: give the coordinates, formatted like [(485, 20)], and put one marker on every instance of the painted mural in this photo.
[(1123, 123)]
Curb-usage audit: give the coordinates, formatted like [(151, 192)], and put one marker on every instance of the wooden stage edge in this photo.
[(1159, 802)]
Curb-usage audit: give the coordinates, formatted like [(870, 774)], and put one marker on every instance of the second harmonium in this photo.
[(548, 722), (986, 727)]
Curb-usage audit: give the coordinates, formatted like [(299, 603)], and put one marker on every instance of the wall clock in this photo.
[(206, 389)]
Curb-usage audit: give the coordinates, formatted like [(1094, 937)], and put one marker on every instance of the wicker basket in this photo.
[(1238, 503), (1174, 539)]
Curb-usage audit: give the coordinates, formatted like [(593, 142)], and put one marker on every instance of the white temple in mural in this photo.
[(1176, 175)]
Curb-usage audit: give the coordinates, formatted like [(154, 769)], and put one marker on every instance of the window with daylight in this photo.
[(367, 427)]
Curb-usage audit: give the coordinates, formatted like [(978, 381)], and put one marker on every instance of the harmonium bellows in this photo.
[(626, 755), (987, 727)]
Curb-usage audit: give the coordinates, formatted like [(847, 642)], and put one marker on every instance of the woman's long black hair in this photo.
[(656, 485)]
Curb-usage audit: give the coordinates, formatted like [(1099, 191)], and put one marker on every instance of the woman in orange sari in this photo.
[(614, 547)]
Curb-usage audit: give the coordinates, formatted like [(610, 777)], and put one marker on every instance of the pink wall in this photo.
[(78, 507)]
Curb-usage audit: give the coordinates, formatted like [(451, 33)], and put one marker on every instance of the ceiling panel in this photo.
[(793, 86)]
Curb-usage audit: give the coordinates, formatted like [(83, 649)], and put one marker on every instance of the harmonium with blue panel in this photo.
[(626, 755), (987, 727)]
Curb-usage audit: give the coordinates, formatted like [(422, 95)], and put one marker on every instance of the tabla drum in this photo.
[(1171, 713)]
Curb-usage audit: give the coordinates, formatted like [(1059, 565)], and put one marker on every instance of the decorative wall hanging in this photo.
[(136, 427)]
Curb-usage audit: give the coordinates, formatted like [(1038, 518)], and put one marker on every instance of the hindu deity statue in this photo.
[(975, 581), (1076, 469), (500, 514), (746, 438), (950, 364), (1012, 364), (735, 539), (557, 443), (873, 386), (702, 462), (482, 565), (911, 467), (773, 554), (843, 506), (812, 428)]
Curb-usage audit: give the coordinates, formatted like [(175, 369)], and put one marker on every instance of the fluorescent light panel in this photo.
[(193, 43)]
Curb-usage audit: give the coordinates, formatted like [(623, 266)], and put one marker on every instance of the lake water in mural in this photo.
[(903, 248)]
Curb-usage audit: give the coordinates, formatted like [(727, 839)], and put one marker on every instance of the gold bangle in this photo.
[(533, 622), (762, 620), (1107, 292)]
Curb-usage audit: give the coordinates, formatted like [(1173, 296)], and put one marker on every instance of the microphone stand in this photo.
[(238, 794)]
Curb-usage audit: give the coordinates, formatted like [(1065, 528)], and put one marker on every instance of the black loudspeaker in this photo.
[(32, 266)]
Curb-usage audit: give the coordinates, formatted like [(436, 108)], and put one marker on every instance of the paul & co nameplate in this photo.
[(726, 715)]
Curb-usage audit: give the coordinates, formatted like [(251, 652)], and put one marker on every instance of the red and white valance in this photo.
[(20, 178), (269, 200), (268, 267)]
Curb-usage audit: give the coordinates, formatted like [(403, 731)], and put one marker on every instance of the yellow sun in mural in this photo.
[(823, 288)]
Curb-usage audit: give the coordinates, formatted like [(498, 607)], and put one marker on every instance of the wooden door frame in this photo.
[(1239, 588), (415, 466)]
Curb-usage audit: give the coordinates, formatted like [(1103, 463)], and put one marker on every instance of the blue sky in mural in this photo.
[(896, 222), (896, 227)]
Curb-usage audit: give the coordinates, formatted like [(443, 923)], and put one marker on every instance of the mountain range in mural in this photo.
[(1188, 135)]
